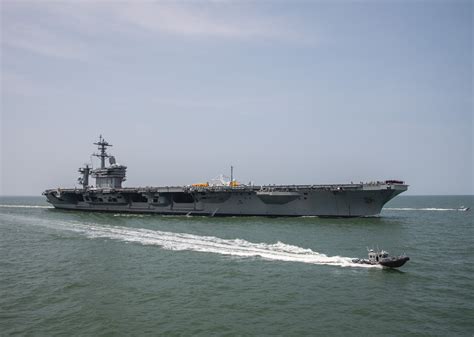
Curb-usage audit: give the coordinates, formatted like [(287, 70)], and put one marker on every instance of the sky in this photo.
[(288, 92)]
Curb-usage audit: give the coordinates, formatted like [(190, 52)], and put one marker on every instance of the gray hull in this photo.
[(352, 200)]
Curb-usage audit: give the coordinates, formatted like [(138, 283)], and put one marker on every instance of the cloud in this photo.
[(36, 39), (211, 20), (72, 30)]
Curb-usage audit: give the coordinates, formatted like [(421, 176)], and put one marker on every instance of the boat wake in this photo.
[(208, 244), (131, 215), (237, 247), (25, 206), (459, 209)]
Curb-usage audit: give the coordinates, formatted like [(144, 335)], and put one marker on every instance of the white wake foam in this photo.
[(131, 215), (237, 247), (24, 206), (182, 241), (461, 209)]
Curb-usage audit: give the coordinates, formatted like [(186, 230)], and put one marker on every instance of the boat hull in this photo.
[(390, 262), (394, 262), (354, 200)]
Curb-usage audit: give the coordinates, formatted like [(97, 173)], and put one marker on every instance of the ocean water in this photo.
[(101, 274)]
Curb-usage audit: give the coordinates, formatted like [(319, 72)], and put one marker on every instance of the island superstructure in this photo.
[(221, 198)]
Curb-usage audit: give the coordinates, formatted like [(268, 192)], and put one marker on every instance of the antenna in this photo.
[(231, 175), (102, 146)]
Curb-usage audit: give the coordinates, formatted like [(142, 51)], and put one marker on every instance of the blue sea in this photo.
[(101, 274)]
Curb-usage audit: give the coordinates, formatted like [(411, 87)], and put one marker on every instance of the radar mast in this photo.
[(102, 146)]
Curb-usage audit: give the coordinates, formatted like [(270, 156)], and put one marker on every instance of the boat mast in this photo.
[(102, 144)]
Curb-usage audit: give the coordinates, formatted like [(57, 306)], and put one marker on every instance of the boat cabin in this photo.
[(376, 256)]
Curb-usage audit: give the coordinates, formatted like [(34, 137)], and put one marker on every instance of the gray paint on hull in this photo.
[(310, 202)]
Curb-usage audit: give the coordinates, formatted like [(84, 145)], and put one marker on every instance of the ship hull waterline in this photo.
[(329, 201)]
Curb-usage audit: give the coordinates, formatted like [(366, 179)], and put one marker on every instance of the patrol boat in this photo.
[(219, 198), (382, 258)]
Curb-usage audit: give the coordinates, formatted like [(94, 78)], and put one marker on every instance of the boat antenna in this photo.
[(102, 146), (231, 174)]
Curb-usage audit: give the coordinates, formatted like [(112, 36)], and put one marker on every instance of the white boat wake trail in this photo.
[(24, 206), (460, 209), (209, 244)]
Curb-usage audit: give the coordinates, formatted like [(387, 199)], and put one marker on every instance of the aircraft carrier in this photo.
[(219, 197)]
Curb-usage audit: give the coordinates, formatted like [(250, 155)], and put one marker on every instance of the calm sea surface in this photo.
[(72, 273)]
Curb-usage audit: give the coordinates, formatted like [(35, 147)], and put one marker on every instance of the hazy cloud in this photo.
[(45, 42), (205, 21), (64, 30)]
